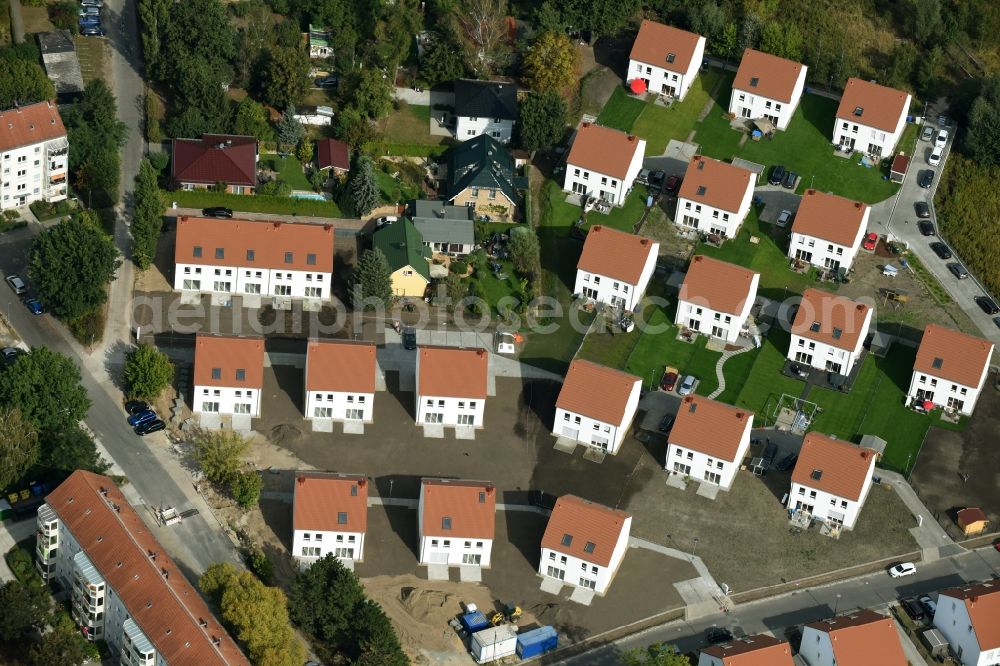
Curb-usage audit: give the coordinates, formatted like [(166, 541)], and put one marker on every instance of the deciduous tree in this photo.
[(372, 279), (551, 63), (483, 22), (251, 120), (18, 449), (46, 389), (657, 654), (286, 76), (982, 139), (147, 372), (524, 252), (371, 93), (542, 120), (69, 449), (245, 488), (218, 454), (304, 151), (23, 82), (24, 607), (60, 647)]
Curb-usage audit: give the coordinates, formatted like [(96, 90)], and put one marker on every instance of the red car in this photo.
[(871, 240), (669, 379), (673, 182)]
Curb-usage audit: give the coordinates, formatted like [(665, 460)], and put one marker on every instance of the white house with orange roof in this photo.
[(870, 118), (708, 441), (665, 59), (584, 544), (831, 480), (34, 151), (714, 197), (716, 297), (862, 638), (756, 650), (329, 517), (452, 385), (828, 332), (596, 405), (615, 267), (768, 87), (228, 378), (827, 230), (969, 618), (456, 522), (603, 163), (950, 369), (340, 378)]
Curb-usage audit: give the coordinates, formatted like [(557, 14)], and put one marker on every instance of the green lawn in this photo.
[(491, 289), (255, 203), (765, 383), (621, 111), (624, 218), (737, 371), (658, 125), (394, 191), (289, 170), (410, 124)]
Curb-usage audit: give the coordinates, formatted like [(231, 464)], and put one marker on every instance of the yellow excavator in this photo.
[(507, 613)]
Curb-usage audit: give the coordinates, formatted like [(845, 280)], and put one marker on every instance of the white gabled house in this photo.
[(708, 441), (329, 517), (485, 107), (596, 405), (457, 522), (665, 59), (831, 480), (829, 332), (716, 297), (861, 638), (715, 197), (603, 163), (950, 369), (584, 543), (969, 618), (756, 650), (228, 375), (340, 380), (870, 118), (615, 267), (452, 385), (827, 230), (767, 87)]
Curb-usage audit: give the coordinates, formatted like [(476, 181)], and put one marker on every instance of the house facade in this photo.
[(452, 385), (329, 517), (485, 107), (756, 650), (969, 618), (827, 230), (228, 375), (767, 87), (253, 258), (831, 480), (950, 369), (403, 247), (340, 380), (716, 298), (34, 153), (714, 198), (584, 543), (596, 405), (198, 164), (829, 332), (482, 175), (603, 163), (615, 267), (457, 522), (870, 118), (708, 441), (445, 229), (665, 58), (861, 638)]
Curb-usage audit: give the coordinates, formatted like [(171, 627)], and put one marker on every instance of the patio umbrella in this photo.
[(928, 405), (637, 86)]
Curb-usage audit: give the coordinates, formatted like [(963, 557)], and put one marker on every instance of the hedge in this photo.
[(254, 203)]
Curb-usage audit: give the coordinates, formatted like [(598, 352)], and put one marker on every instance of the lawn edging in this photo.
[(253, 203)]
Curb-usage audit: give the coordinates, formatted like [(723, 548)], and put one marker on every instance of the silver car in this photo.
[(927, 134), (687, 385)]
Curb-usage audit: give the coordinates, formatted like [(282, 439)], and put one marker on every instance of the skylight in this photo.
[(670, 57), (589, 547), (702, 189), (858, 110), (446, 523), (816, 474), (567, 539), (837, 333), (754, 81), (341, 517), (815, 327), (937, 362)]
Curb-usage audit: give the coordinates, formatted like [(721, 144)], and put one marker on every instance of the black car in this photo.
[(777, 175), (787, 462), (958, 270), (799, 370), (926, 178), (790, 179), (136, 406), (717, 635), (92, 31), (327, 82), (922, 209), (10, 354), (656, 178), (926, 228), (409, 338), (913, 609), (941, 250), (987, 305), (217, 211), (666, 423), (148, 427)]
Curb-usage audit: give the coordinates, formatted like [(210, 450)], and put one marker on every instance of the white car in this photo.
[(935, 158), (17, 284), (783, 218), (687, 385), (941, 139), (382, 221), (904, 569)]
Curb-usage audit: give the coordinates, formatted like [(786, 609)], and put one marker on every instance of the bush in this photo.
[(159, 161), (459, 267), (477, 259), (154, 134), (65, 16), (275, 188), (88, 328), (245, 488), (148, 371), (258, 563), (21, 563)]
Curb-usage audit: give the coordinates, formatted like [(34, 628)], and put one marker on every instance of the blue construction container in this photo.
[(537, 641), (473, 622)]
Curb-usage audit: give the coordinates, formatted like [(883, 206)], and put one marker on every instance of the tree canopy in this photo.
[(25, 607), (982, 138), (147, 215), (443, 60), (551, 62), (372, 278), (218, 453), (542, 120), (363, 187), (285, 76), (657, 654), (251, 120), (46, 389), (96, 137), (18, 447), (23, 82), (148, 371)]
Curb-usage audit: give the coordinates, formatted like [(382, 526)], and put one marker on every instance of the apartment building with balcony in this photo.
[(34, 154)]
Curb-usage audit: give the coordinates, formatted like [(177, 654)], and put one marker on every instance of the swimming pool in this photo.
[(308, 195)]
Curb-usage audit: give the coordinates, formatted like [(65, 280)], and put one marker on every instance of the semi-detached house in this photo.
[(714, 197), (863, 638), (329, 517), (756, 650), (827, 230), (950, 369), (603, 163), (716, 297), (665, 59), (456, 521), (452, 384), (708, 441), (829, 332), (831, 480), (34, 153), (870, 118), (596, 405), (340, 381), (767, 87), (228, 375), (615, 267), (969, 618)]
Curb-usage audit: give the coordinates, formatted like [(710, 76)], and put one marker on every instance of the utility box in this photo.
[(474, 621), (537, 642), (493, 643)]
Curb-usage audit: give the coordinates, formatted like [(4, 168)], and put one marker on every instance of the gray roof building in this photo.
[(439, 222), (485, 99), (483, 162), (61, 64)]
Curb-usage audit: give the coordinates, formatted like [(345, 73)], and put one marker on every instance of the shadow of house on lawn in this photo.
[(821, 113)]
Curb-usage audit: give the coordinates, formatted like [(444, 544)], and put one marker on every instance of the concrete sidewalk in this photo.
[(16, 22), (929, 535)]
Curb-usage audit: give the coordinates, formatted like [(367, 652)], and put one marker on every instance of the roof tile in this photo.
[(713, 428), (829, 217), (452, 372), (881, 107), (604, 150), (321, 496), (756, 650), (656, 42), (863, 639), (470, 507), (596, 391), (616, 254), (587, 523), (254, 243), (841, 321), (333, 153), (218, 360), (833, 466), (775, 77), (718, 285), (952, 355), (715, 183), (214, 158), (340, 365), (28, 125)]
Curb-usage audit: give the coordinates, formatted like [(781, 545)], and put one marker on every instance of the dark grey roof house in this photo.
[(61, 64), (485, 107)]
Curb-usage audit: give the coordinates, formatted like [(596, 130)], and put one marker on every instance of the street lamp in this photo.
[(836, 606), (694, 549)]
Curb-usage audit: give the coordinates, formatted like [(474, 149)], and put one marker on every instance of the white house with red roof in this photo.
[(603, 163), (768, 87), (969, 618), (861, 638), (596, 405), (708, 441), (716, 297), (198, 164), (340, 378), (615, 267), (34, 151), (329, 517), (665, 59), (756, 650), (452, 385), (456, 524), (584, 544), (831, 480), (827, 230), (253, 258), (950, 369), (228, 377), (714, 197), (870, 118), (828, 332)]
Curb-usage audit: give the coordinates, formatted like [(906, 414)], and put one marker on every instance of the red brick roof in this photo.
[(320, 498), (469, 506), (757, 650), (829, 217), (29, 125), (604, 150), (596, 391), (713, 428), (718, 285), (775, 77), (452, 372), (616, 254), (952, 355), (714, 183), (833, 466), (215, 158), (840, 320), (158, 597), (333, 153), (881, 107), (982, 601), (340, 365), (592, 530), (863, 639), (268, 243), (656, 42), (223, 356)]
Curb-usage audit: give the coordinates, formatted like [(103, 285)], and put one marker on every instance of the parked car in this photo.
[(17, 284), (922, 209), (136, 406), (148, 427), (996, 322), (92, 3), (926, 178), (784, 217), (941, 139), (217, 211), (669, 379), (777, 175), (327, 82), (941, 250), (643, 177), (90, 22), (687, 385), (10, 354), (935, 157), (717, 635), (871, 240), (987, 305), (787, 463), (90, 10), (926, 228), (928, 133), (656, 178), (799, 370), (929, 605), (666, 423), (913, 609), (34, 306), (902, 569), (790, 179), (141, 417), (92, 31), (672, 184), (958, 270), (409, 338)]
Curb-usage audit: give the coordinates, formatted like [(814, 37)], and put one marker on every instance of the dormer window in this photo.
[(858, 110), (815, 327), (754, 81), (671, 56)]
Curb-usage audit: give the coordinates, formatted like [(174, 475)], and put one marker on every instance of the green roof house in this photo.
[(403, 247)]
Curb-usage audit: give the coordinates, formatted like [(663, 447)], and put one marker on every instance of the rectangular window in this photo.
[(311, 259), (196, 251), (288, 257), (220, 253), (250, 257)]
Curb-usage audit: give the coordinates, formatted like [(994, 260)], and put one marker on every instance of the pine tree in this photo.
[(290, 130), (364, 189), (372, 278), (147, 216)]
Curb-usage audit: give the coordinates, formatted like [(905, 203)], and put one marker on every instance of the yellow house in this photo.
[(403, 247), (481, 176)]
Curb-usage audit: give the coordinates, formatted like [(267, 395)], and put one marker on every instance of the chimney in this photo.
[(810, 192), (585, 125), (631, 137), (301, 480), (277, 224), (858, 204)]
